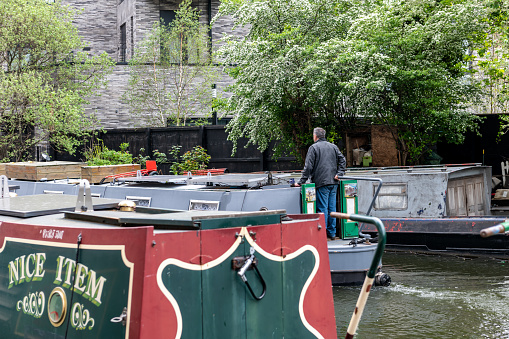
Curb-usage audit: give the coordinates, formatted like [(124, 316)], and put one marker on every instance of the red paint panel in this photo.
[(268, 238), (318, 301), (215, 243), (183, 246)]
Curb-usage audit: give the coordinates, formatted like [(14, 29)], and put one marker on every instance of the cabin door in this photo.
[(465, 196)]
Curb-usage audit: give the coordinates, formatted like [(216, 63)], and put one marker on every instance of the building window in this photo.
[(167, 16), (132, 37), (123, 43), (392, 196)]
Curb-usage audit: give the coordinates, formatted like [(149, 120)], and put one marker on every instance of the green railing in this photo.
[(370, 276)]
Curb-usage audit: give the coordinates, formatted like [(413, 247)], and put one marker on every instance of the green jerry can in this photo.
[(347, 198), (308, 194)]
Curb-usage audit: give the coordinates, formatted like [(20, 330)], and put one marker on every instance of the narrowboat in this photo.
[(349, 257), (78, 266), (433, 208)]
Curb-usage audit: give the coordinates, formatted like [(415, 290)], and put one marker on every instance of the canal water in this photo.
[(432, 296)]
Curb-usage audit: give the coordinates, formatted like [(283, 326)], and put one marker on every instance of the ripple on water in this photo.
[(432, 297)]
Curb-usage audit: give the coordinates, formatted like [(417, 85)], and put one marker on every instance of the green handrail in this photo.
[(370, 276)]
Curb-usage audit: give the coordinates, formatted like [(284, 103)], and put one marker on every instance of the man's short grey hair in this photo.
[(319, 132)]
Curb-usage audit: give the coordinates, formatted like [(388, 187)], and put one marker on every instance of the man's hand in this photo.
[(295, 185), (336, 177)]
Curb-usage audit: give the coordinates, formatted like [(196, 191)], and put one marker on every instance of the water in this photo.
[(432, 296)]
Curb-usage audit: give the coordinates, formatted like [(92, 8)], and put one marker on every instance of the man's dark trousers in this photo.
[(326, 203)]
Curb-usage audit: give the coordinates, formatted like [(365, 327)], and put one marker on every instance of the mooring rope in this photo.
[(72, 284)]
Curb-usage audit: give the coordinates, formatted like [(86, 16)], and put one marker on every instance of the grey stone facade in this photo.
[(99, 25)]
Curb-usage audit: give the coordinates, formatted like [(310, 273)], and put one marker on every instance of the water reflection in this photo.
[(432, 296)]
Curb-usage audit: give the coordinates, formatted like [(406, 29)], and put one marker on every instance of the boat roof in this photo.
[(429, 169), (59, 210), (248, 180), (28, 206)]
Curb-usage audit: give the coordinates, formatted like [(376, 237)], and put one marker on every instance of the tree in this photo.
[(414, 70), (171, 73), (281, 89), (44, 78), (492, 64), (329, 63)]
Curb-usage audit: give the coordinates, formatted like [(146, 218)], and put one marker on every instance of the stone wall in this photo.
[(99, 25)]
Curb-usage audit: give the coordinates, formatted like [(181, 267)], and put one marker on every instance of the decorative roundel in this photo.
[(57, 306)]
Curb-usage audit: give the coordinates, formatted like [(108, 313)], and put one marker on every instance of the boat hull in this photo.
[(349, 264), (443, 234)]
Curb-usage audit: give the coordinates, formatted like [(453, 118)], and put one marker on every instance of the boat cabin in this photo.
[(426, 192)]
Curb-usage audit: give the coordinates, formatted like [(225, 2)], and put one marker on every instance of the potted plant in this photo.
[(103, 162)]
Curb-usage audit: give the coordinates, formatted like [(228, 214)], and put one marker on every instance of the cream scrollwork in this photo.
[(32, 304), (80, 317)]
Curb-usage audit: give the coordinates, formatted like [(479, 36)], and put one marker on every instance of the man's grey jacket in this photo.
[(323, 162)]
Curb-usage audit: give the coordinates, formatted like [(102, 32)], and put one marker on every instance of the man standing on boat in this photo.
[(324, 165)]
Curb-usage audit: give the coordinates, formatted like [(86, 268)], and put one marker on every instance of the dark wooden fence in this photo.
[(487, 147), (212, 138)]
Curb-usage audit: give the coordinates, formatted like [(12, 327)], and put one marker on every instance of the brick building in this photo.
[(116, 27)]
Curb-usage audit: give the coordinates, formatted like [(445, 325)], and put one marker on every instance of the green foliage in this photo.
[(413, 71), (195, 159), (171, 73), (45, 78), (492, 62), (311, 63), (160, 157), (141, 158), (100, 155)]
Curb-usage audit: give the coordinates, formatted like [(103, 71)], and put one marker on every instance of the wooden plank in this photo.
[(36, 171)]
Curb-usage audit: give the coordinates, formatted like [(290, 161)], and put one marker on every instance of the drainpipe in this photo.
[(210, 27)]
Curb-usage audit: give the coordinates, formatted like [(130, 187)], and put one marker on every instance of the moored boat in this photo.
[(349, 259), (84, 270), (434, 208)]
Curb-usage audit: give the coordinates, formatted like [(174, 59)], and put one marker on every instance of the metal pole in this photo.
[(500, 228)]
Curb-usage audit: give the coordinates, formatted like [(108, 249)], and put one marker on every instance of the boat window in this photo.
[(392, 196)]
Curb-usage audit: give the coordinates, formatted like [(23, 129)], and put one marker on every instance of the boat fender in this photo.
[(382, 279)]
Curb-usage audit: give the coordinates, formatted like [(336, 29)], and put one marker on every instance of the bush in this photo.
[(100, 155), (192, 160)]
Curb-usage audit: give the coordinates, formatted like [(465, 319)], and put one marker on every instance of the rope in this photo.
[(72, 285)]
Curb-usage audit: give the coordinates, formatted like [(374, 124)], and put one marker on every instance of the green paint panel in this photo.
[(240, 221), (271, 306), (229, 310), (308, 197), (295, 274), (185, 286), (103, 277), (224, 300), (349, 204)]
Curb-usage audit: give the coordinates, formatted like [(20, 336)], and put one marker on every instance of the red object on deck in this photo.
[(151, 167), (212, 171)]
